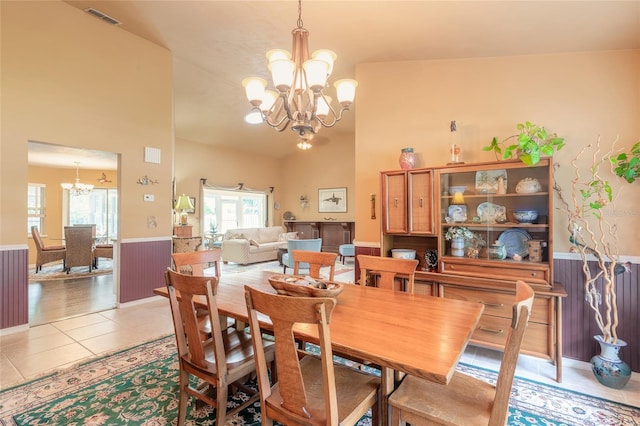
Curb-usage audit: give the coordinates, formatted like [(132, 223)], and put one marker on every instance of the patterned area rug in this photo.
[(54, 271), (139, 386)]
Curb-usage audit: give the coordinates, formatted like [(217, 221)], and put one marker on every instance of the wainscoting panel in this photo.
[(14, 282), (142, 266), (578, 323)]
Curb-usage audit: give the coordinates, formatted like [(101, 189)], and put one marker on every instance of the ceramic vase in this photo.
[(407, 159), (457, 247), (608, 368)]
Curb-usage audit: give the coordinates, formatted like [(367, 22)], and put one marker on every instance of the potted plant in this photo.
[(593, 236), (529, 145), (627, 165)]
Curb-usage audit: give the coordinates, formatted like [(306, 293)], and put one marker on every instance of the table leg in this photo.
[(386, 387)]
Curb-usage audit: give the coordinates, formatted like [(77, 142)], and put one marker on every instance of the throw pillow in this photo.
[(236, 237), (288, 236), (254, 243)]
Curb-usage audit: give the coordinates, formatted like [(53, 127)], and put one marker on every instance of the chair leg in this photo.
[(183, 400), (221, 403)]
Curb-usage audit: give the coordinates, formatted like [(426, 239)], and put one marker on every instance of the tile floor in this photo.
[(42, 349)]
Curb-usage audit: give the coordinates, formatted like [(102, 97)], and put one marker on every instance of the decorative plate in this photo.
[(297, 285), (288, 215), (492, 213), (487, 181), (515, 241), (431, 259)]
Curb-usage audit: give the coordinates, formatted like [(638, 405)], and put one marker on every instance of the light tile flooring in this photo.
[(42, 349)]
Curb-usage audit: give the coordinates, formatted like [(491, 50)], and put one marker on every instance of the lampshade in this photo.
[(457, 198), (183, 203)]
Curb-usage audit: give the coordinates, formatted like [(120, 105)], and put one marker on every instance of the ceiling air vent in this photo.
[(102, 16)]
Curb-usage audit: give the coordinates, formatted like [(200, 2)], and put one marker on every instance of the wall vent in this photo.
[(102, 16), (151, 155)]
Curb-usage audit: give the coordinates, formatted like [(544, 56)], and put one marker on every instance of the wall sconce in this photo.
[(304, 201), (373, 206)]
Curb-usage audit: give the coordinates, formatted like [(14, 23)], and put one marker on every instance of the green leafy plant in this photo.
[(627, 165), (530, 144)]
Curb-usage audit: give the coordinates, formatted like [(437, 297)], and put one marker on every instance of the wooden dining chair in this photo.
[(220, 361), (466, 400), (314, 261), (46, 254), (387, 272), (195, 262), (309, 390)]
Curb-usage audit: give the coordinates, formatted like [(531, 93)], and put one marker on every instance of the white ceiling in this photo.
[(215, 44)]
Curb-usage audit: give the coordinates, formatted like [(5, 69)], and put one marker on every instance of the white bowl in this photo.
[(403, 253), (525, 216), (454, 189)]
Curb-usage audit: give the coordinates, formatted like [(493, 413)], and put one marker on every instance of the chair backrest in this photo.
[(315, 260), (521, 313), (195, 262), (284, 312), (314, 244), (79, 243), (191, 343), (387, 269), (37, 239)]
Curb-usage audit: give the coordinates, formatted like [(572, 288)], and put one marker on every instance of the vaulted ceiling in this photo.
[(215, 44)]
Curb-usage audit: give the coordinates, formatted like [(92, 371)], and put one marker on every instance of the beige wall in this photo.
[(579, 96), (70, 79), (328, 164)]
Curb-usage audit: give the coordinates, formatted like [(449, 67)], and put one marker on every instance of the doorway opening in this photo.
[(53, 293)]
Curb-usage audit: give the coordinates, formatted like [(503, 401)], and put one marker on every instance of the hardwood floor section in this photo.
[(55, 300)]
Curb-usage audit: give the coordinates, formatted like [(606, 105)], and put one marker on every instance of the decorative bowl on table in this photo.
[(525, 216), (403, 253), (298, 285), (455, 189)]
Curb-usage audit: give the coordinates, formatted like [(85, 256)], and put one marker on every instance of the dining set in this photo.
[(232, 326), (80, 248)]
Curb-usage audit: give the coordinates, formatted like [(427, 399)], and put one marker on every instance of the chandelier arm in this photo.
[(336, 117)]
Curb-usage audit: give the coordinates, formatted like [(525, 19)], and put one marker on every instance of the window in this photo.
[(36, 207), (223, 210), (98, 207)]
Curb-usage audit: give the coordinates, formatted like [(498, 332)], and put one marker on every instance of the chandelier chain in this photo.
[(300, 23)]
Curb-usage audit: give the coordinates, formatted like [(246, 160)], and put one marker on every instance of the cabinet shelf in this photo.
[(487, 226), (494, 196)]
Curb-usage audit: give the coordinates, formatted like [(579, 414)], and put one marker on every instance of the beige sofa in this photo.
[(251, 245)]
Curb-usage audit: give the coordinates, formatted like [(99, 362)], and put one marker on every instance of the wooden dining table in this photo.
[(416, 334)]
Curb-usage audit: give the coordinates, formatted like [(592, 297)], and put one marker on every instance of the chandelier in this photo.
[(300, 81), (77, 188)]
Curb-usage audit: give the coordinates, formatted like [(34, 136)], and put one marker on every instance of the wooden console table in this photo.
[(333, 234)]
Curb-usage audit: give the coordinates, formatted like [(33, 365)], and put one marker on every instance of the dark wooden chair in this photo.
[(47, 254), (310, 390), (465, 400), (224, 359)]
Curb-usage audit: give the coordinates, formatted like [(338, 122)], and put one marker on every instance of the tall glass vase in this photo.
[(608, 368)]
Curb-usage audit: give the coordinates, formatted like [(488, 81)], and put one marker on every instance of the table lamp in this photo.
[(184, 203)]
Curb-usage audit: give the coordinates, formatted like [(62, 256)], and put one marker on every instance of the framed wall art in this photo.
[(332, 200), (193, 201)]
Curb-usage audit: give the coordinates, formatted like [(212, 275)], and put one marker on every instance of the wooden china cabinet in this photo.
[(421, 205)]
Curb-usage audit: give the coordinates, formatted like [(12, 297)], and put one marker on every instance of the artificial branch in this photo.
[(592, 234)]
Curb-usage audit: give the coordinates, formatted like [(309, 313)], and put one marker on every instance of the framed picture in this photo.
[(332, 200), (193, 201)]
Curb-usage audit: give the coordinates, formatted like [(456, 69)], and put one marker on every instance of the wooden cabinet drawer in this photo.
[(493, 331), (506, 270), (499, 304)]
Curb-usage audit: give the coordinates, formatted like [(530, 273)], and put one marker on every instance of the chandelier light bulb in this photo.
[(254, 88), (282, 73), (346, 90), (327, 56), (316, 71)]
